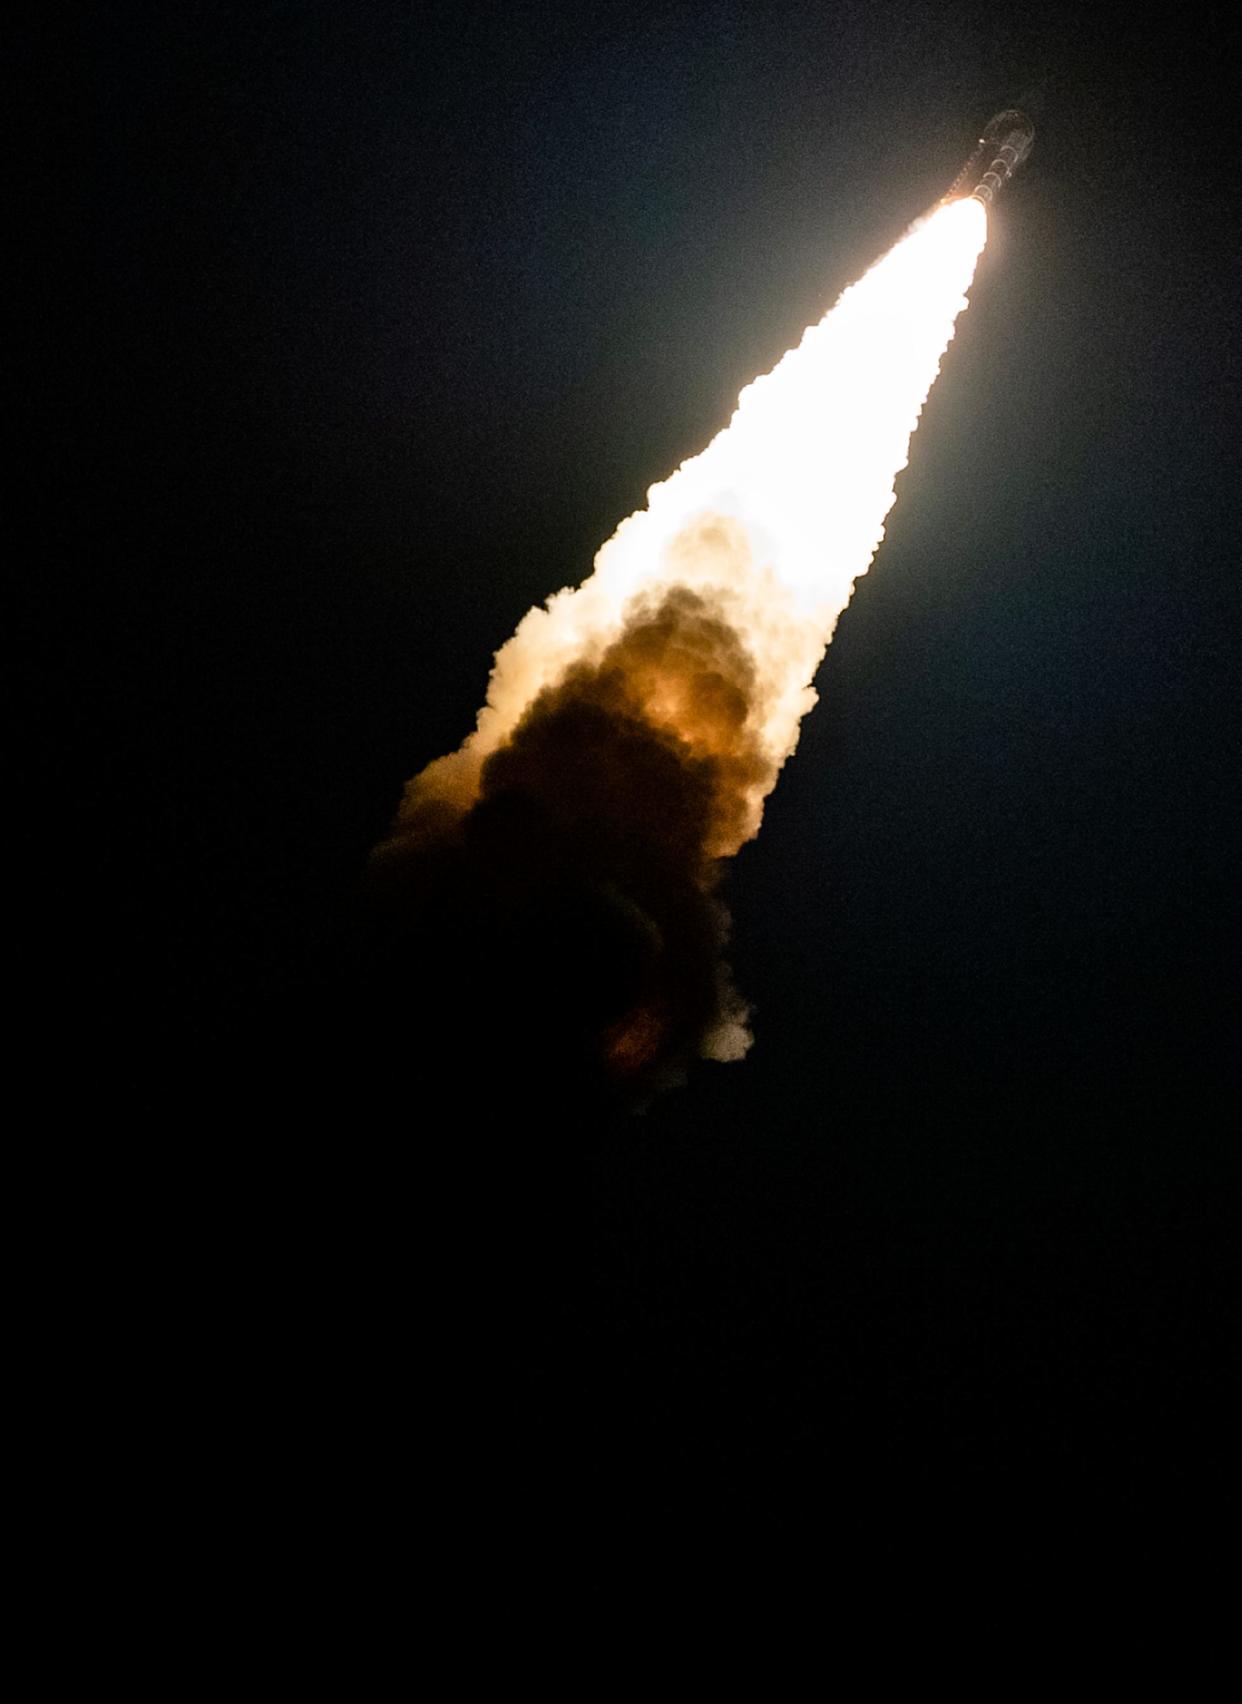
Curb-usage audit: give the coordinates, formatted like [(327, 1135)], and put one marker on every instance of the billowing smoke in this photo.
[(567, 859)]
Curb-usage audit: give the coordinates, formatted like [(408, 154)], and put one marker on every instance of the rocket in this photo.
[(1005, 143)]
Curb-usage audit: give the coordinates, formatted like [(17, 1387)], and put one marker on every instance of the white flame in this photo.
[(779, 515)]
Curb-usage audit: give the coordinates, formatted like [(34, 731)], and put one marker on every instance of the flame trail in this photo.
[(635, 725)]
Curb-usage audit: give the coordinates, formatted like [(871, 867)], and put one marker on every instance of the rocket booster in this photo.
[(1001, 149)]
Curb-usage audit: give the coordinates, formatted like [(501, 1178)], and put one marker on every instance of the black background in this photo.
[(357, 329)]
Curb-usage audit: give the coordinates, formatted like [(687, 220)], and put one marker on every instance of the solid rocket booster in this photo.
[(1001, 149)]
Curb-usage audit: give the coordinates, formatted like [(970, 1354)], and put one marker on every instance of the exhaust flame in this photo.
[(635, 725)]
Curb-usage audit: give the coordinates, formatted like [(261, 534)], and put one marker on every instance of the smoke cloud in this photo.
[(595, 841)]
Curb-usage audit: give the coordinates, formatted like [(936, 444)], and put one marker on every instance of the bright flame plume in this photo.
[(780, 514)]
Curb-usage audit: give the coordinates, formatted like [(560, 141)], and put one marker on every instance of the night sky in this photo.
[(359, 329)]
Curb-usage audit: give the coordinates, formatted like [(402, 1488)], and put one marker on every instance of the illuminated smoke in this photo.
[(635, 725)]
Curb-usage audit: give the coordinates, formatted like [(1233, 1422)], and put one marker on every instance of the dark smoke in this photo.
[(568, 917)]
